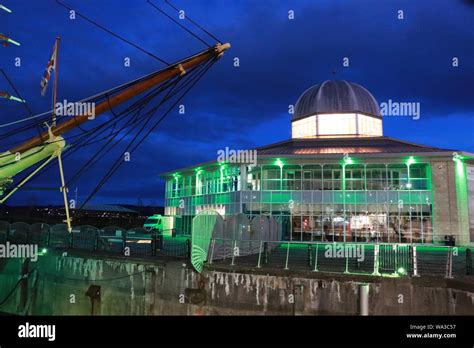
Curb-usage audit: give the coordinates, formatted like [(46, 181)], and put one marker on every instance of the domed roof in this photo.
[(336, 97)]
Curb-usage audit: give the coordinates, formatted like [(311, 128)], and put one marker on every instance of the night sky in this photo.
[(247, 106)]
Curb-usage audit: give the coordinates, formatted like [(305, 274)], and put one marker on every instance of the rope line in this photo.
[(179, 24), (193, 22), (112, 33)]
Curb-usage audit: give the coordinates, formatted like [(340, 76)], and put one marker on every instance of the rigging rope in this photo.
[(111, 32), (193, 22), (105, 150), (179, 24), (135, 109), (119, 160), (47, 114), (85, 139)]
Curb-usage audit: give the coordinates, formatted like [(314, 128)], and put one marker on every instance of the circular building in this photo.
[(337, 179)]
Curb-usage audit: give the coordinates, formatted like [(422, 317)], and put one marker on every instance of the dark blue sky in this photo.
[(402, 60)]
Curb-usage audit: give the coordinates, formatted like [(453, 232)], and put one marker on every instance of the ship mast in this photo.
[(49, 145), (141, 86)]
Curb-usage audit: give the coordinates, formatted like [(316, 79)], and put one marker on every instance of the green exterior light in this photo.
[(348, 160), (222, 167), (462, 191), (460, 170), (410, 160), (279, 163)]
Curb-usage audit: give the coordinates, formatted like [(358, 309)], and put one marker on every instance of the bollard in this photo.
[(364, 299)]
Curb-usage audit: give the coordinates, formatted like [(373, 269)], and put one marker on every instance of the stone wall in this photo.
[(131, 287)]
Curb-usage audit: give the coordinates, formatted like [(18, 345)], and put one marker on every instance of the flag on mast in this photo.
[(49, 69)]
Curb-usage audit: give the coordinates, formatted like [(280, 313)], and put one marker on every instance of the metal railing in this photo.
[(387, 259), (382, 259), (111, 239)]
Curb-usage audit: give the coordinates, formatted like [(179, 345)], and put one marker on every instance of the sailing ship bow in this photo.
[(50, 143)]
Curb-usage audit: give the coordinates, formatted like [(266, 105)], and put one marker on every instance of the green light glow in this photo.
[(459, 166), (279, 163), (402, 271), (348, 160), (410, 160), (462, 195)]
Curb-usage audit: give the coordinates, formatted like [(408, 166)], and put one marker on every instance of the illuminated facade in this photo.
[(338, 179)]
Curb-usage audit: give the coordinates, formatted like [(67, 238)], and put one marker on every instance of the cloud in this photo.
[(245, 106)]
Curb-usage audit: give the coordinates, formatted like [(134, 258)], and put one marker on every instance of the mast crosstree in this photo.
[(49, 145)]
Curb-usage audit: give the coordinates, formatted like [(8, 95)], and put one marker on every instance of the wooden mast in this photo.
[(125, 95)]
